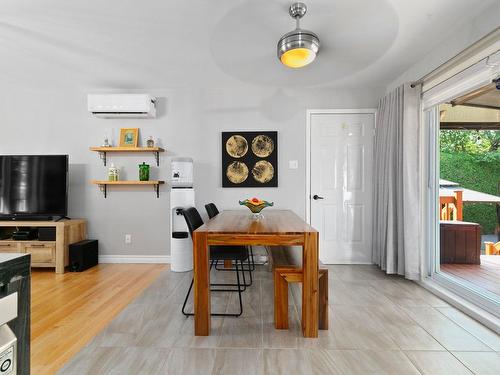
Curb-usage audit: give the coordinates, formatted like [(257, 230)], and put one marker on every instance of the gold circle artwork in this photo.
[(236, 146), (262, 146), (237, 172), (263, 171)]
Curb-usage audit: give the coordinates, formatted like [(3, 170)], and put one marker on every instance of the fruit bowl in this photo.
[(256, 205)]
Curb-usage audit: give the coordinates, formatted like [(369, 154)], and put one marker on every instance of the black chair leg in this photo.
[(241, 288), (250, 272), (215, 284), (251, 268), (246, 268), (186, 299), (251, 256)]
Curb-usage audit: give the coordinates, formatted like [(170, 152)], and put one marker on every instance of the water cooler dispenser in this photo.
[(8, 341), (181, 197), (181, 173)]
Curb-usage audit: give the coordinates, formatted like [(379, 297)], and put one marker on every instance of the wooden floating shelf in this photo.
[(103, 185), (127, 182), (127, 149), (104, 150)]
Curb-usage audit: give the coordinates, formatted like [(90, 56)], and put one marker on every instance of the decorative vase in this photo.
[(143, 172), (113, 173), (150, 142), (256, 206), (106, 142)]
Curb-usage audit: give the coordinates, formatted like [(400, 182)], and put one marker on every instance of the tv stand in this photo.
[(30, 218), (46, 253)]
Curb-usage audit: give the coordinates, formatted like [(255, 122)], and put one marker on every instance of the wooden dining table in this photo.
[(275, 228)]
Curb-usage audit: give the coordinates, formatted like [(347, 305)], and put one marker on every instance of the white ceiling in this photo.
[(163, 44)]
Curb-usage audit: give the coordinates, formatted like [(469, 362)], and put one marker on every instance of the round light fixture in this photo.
[(299, 47)]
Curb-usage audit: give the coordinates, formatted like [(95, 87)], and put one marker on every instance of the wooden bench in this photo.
[(283, 275), (492, 248)]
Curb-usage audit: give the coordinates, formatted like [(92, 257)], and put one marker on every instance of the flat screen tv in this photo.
[(33, 186)]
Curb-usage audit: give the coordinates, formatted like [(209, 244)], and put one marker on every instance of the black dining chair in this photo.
[(237, 254), (212, 212)]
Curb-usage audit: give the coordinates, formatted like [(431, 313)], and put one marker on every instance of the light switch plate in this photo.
[(293, 164)]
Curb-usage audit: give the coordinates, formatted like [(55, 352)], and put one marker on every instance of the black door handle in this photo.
[(316, 197)]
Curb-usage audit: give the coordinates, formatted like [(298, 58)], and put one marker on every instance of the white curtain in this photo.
[(396, 193)]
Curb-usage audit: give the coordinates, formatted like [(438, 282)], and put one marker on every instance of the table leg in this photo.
[(310, 300), (201, 285)]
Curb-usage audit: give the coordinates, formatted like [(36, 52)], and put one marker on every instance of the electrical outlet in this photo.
[(293, 164), (128, 238)]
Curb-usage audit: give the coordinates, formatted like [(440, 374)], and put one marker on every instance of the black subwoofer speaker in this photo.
[(47, 233), (83, 255)]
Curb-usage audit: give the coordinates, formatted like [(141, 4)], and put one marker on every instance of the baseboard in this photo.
[(160, 259)]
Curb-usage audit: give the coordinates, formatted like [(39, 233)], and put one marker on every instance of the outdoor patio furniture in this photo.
[(452, 206), (492, 248), (460, 242)]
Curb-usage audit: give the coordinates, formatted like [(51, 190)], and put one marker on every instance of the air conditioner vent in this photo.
[(122, 105)]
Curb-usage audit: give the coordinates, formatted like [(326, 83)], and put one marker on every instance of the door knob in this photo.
[(316, 197)]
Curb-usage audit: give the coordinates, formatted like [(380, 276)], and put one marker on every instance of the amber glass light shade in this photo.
[(298, 57)]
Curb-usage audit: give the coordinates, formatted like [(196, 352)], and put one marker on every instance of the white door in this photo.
[(341, 185)]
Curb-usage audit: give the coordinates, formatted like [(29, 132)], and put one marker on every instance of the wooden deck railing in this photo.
[(452, 206)]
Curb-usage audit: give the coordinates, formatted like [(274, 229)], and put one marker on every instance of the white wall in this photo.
[(48, 121), (458, 39), (54, 49)]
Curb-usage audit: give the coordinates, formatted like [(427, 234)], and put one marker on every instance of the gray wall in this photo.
[(201, 97), (47, 121), (457, 39)]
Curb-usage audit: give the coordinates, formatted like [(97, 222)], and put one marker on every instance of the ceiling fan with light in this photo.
[(298, 47)]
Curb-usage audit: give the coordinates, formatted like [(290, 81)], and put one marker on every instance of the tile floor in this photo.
[(379, 324)]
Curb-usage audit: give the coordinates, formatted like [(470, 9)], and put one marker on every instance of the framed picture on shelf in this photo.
[(129, 137)]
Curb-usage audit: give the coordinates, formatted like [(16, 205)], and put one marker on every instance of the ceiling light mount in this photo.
[(297, 10), (299, 47)]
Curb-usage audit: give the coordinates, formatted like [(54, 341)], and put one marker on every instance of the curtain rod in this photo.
[(495, 34)]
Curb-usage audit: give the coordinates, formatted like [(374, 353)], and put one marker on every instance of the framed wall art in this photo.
[(129, 137), (250, 159)]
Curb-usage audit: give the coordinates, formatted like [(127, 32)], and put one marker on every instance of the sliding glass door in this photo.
[(462, 194)]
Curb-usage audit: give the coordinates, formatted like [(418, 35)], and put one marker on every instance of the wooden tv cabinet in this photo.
[(46, 253)]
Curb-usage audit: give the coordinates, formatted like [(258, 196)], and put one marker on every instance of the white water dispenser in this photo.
[(181, 172), (8, 341), (181, 245)]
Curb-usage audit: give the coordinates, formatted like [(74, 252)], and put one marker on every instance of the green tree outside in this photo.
[(472, 159)]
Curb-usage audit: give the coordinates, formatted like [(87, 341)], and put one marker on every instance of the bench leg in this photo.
[(323, 300), (280, 302)]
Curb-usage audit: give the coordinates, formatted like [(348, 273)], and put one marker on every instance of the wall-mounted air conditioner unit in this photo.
[(122, 105)]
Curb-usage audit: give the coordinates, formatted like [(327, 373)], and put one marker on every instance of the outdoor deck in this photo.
[(486, 275)]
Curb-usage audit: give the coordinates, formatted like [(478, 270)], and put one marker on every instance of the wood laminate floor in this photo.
[(485, 275), (68, 310), (379, 324)]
